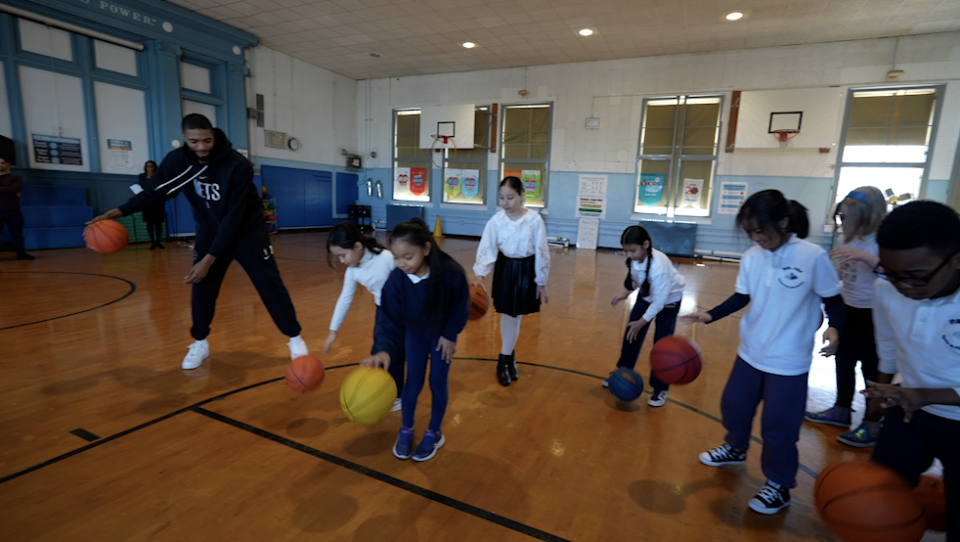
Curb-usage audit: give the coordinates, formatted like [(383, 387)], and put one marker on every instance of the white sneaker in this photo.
[(199, 351), (298, 348), (397, 405), (658, 399)]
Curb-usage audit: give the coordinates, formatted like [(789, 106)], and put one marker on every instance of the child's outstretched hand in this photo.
[(695, 317), (845, 254), (478, 282), (618, 298), (330, 339), (542, 294), (832, 337), (909, 399), (380, 359), (633, 329), (446, 347)]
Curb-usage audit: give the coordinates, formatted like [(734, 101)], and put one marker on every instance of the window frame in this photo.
[(484, 170), (428, 165), (545, 179)]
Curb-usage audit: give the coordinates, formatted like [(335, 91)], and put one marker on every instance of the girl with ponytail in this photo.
[(661, 290), (424, 303), (784, 279)]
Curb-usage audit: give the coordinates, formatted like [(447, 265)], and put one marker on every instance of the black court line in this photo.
[(387, 479), (85, 435), (133, 288), (222, 396)]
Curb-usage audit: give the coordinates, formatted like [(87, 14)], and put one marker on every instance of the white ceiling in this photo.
[(424, 36)]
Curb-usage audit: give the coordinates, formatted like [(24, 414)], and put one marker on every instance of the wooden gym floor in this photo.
[(104, 437)]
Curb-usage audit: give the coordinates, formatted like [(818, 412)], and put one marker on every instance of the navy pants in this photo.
[(255, 254), (666, 321), (784, 401), (421, 350), (858, 344), (13, 220), (909, 448), (396, 358)]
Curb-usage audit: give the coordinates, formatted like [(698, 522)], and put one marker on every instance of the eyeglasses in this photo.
[(913, 281)]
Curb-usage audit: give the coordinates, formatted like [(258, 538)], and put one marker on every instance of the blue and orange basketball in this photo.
[(626, 384)]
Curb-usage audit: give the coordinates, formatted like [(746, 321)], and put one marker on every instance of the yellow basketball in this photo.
[(367, 395)]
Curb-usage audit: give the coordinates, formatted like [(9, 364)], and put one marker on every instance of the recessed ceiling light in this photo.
[(375, 55), (469, 45), (585, 32), (735, 16)]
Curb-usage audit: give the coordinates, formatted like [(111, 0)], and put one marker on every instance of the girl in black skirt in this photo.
[(153, 216), (514, 242)]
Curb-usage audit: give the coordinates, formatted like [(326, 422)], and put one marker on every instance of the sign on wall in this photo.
[(120, 154), (732, 196), (651, 189), (57, 150), (592, 197)]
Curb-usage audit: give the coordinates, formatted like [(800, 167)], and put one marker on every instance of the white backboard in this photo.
[(818, 112), (444, 120)]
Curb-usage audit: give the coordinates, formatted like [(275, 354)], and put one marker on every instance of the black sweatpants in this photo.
[(909, 448), (155, 231), (13, 220), (666, 321), (397, 358), (858, 344), (255, 254)]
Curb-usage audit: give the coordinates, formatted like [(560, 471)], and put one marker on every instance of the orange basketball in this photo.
[(864, 501), (106, 236), (304, 374), (931, 494), (479, 302), (676, 360)]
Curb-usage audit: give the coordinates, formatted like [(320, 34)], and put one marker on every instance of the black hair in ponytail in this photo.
[(635, 235), (346, 235), (768, 207), (417, 233)]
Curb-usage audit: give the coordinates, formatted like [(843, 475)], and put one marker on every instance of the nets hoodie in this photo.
[(225, 202)]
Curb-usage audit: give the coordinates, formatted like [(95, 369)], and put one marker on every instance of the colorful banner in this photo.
[(451, 182), (403, 181), (471, 183), (531, 183), (651, 189), (732, 196), (592, 196), (692, 191), (418, 180)]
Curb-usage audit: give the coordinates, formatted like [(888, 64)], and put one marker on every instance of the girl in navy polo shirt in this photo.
[(783, 279), (424, 303)]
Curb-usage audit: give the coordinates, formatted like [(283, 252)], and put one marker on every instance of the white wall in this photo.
[(314, 105), (121, 115), (53, 106)]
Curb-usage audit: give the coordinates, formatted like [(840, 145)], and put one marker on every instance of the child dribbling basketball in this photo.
[(514, 246), (916, 310), (860, 212), (368, 264), (783, 279), (424, 302), (661, 290)]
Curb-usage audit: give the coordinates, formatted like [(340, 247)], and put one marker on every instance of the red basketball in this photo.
[(931, 494), (106, 236), (864, 501), (676, 360), (479, 302), (304, 374)]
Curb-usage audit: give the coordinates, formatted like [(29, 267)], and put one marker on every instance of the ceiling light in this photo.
[(469, 45), (585, 32), (735, 16)]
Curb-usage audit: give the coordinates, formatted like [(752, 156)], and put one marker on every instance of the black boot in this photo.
[(514, 374), (503, 370)]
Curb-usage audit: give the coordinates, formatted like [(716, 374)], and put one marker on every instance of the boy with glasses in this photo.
[(917, 318)]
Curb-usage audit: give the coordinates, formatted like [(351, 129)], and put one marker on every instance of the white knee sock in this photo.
[(509, 332)]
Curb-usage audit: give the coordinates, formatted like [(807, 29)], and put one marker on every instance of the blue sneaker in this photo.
[(404, 446), (864, 436), (838, 416), (432, 441)]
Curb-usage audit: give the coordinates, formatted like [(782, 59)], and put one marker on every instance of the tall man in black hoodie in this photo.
[(218, 183)]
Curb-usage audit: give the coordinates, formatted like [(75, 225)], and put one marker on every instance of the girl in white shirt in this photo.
[(515, 241), (368, 264), (783, 279), (860, 213), (661, 290)]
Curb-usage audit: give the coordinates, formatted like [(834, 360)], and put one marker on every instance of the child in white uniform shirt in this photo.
[(860, 212), (916, 312), (783, 279), (661, 290), (515, 240), (369, 264)]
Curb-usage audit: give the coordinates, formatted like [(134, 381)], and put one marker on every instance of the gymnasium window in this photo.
[(886, 142), (202, 86), (470, 164), (678, 155), (409, 160), (525, 149)]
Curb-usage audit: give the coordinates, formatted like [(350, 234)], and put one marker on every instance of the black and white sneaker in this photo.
[(771, 499), (723, 455)]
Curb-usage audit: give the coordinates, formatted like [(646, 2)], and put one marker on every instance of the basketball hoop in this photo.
[(446, 141), (785, 135)]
